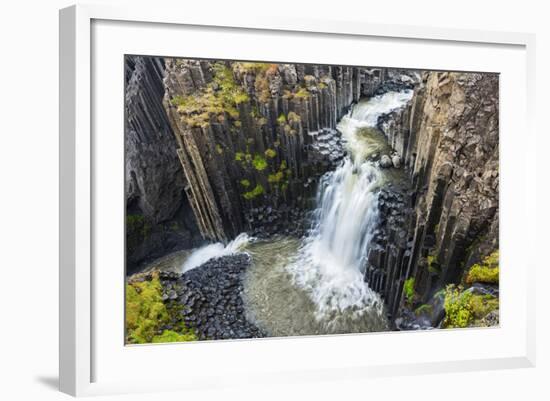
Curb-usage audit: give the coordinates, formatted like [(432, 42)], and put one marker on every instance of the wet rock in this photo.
[(385, 161), (396, 161), (218, 285)]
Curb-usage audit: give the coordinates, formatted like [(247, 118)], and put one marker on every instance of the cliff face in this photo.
[(252, 138), (448, 140), (156, 206)]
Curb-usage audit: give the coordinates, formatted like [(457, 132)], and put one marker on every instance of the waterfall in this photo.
[(217, 250), (330, 263)]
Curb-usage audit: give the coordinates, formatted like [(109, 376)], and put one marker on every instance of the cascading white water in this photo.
[(329, 265), (217, 250)]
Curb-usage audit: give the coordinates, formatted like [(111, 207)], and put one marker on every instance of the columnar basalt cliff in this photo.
[(253, 138), (157, 213), (447, 137)]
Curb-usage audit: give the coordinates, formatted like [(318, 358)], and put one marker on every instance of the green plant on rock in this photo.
[(259, 163), (245, 183), (270, 153), (254, 193), (220, 97), (275, 177), (458, 311), (294, 117), (433, 267), (302, 93), (170, 336), (408, 289), (466, 309), (281, 120), (146, 314), (485, 272)]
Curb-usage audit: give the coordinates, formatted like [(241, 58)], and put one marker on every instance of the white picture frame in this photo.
[(81, 345)]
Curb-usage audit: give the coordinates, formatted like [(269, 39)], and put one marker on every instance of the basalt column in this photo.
[(253, 137), (448, 139)]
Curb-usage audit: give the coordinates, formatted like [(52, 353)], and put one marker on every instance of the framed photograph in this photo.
[(273, 200)]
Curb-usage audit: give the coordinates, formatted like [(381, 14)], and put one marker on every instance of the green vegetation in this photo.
[(408, 289), (486, 272), (294, 117), (259, 163), (169, 336), (245, 183), (239, 156), (281, 120), (146, 314), (219, 149), (257, 191), (275, 177), (302, 93), (465, 309), (136, 226), (270, 153), (221, 96), (433, 266)]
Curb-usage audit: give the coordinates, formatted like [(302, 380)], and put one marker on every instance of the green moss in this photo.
[(294, 117), (245, 183), (219, 98), (270, 153), (458, 311), (134, 221), (257, 191), (281, 120), (465, 309), (275, 177), (486, 272), (433, 266), (259, 163), (239, 156), (137, 229), (302, 93), (146, 314), (170, 336), (219, 149), (408, 289)]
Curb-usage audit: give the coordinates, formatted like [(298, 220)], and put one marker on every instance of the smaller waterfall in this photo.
[(217, 250)]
